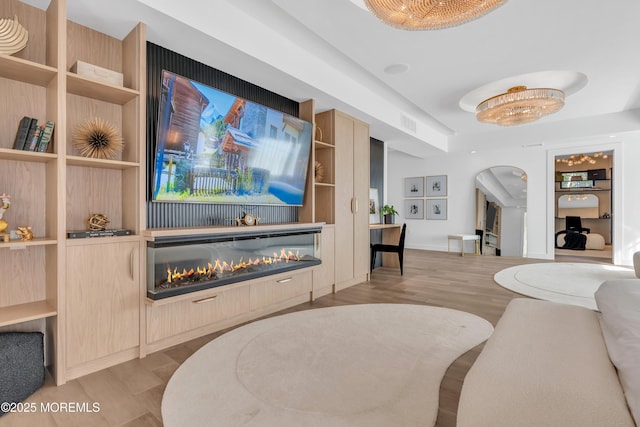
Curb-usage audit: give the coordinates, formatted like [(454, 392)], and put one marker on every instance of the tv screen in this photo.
[(213, 147)]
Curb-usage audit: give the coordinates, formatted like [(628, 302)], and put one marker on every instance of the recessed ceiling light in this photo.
[(473, 151), (394, 69)]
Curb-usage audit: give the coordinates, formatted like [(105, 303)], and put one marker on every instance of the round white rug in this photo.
[(565, 282), (355, 365)]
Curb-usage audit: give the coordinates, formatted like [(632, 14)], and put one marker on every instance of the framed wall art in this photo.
[(414, 208), (374, 206), (436, 186), (414, 187), (436, 209)]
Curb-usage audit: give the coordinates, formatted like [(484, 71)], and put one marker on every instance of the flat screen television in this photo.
[(214, 147)]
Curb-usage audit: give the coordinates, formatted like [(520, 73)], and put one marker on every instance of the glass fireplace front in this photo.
[(180, 264)]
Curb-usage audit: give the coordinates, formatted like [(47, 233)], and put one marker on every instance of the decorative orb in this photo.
[(97, 222)]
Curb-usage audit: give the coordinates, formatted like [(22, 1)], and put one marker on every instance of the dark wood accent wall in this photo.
[(166, 214)]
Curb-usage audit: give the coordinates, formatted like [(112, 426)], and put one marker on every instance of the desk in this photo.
[(462, 238), (390, 236)]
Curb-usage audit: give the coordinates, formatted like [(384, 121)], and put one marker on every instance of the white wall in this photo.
[(537, 162), (512, 231)]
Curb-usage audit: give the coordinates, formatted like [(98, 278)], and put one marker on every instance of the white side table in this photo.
[(462, 238)]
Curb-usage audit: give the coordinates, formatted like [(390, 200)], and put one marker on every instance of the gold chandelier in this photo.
[(520, 105), (430, 14), (578, 159)]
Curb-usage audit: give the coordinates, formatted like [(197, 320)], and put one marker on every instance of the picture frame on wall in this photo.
[(414, 208), (414, 187), (374, 206), (436, 186), (436, 209)]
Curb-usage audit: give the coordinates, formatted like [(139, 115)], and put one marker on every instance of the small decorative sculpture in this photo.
[(318, 171), (25, 233), (98, 139), (98, 222), (5, 200), (13, 36), (247, 219)]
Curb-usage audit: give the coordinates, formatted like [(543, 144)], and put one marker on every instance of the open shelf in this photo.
[(26, 156), (83, 86), (40, 241), (25, 312), (26, 71), (323, 145), (102, 240), (100, 163)]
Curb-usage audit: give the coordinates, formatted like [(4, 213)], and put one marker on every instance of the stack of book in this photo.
[(32, 136)]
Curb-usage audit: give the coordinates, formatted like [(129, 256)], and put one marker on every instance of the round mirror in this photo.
[(501, 211)]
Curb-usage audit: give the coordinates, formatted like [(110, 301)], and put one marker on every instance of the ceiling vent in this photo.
[(408, 123)]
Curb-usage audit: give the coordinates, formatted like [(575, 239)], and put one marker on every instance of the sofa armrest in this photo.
[(546, 364)]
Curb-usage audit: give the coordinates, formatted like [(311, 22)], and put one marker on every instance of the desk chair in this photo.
[(399, 249), (574, 223)]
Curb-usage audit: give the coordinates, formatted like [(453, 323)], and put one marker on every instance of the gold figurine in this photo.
[(25, 233), (5, 201)]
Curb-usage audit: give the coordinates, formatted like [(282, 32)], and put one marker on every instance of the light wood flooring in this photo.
[(130, 394)]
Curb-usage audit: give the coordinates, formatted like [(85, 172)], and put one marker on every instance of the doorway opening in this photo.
[(584, 206)]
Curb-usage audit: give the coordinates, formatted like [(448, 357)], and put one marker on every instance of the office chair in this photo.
[(399, 249), (573, 223)]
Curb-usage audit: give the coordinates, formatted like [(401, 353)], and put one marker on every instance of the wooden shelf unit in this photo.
[(57, 191)]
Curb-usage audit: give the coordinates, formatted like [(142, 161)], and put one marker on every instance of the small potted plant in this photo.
[(389, 213)]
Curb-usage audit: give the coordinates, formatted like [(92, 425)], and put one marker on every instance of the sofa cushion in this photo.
[(619, 304), (546, 364), (595, 242)]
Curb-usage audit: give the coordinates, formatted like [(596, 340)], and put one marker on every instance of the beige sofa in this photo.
[(547, 364)]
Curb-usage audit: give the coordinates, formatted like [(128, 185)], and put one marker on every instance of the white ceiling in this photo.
[(335, 52)]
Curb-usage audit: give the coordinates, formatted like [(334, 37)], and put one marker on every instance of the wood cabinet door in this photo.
[(361, 251), (102, 300), (323, 277), (344, 196)]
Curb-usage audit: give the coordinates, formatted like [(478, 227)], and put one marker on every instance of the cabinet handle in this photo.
[(207, 299), (354, 205), (131, 264), (288, 279)]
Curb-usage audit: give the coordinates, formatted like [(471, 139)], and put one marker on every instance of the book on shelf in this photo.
[(33, 142), (81, 234), (21, 134), (45, 137), (32, 130)]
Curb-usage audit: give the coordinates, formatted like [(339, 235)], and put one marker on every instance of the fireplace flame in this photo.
[(220, 267)]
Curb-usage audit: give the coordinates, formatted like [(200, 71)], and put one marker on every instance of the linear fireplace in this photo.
[(186, 263)]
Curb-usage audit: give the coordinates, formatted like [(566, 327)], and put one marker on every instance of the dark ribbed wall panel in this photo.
[(376, 180), (166, 215)]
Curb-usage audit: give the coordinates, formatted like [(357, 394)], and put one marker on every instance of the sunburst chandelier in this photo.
[(430, 14), (520, 105)]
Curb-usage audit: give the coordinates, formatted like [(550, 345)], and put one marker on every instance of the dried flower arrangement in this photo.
[(98, 139)]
